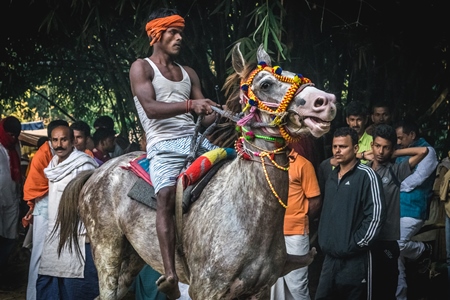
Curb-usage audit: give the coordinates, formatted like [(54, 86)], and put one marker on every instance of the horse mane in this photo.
[(225, 133), (68, 213)]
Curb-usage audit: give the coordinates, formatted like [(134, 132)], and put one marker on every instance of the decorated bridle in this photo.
[(252, 104), (298, 83)]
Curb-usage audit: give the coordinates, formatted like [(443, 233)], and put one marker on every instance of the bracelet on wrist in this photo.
[(188, 105)]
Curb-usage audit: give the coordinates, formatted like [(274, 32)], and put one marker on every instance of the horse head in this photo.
[(282, 103)]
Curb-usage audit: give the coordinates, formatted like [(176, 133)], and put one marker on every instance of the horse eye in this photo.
[(265, 85)]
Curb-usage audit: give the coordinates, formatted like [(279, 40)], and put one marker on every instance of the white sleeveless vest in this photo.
[(170, 92)]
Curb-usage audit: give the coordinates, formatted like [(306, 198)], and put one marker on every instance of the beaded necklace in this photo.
[(245, 153)]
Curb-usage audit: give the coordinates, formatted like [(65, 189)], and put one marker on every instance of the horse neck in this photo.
[(268, 178)]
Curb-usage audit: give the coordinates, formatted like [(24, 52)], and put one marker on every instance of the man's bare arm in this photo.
[(141, 75), (417, 154), (201, 105), (314, 206)]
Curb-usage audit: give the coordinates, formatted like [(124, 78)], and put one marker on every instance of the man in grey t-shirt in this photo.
[(385, 251)]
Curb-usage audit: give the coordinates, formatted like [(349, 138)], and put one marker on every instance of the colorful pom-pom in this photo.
[(238, 128), (296, 79), (278, 70), (244, 87), (262, 65), (252, 102), (249, 136)]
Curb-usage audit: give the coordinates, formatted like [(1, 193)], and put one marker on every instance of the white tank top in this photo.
[(167, 91)]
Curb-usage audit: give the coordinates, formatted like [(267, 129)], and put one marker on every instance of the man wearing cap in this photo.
[(166, 94)]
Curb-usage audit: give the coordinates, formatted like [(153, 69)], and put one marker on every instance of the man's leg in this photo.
[(297, 280), (40, 225), (9, 215), (165, 228), (408, 249), (166, 162), (385, 255)]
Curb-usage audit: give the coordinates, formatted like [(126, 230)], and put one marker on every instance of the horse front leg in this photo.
[(294, 262)]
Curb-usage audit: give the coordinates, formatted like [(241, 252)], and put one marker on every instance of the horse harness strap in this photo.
[(179, 226)]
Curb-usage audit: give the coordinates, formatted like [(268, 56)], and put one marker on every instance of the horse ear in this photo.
[(263, 56), (237, 60)]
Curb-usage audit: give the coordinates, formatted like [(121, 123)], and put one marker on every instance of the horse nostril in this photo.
[(320, 102)]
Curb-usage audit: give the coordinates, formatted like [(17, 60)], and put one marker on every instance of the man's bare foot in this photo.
[(168, 286)]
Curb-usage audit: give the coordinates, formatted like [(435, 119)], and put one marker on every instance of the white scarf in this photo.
[(75, 160)]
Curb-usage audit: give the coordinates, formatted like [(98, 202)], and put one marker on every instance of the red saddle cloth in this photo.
[(139, 166)]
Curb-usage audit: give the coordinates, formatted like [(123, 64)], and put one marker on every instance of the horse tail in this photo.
[(68, 218)]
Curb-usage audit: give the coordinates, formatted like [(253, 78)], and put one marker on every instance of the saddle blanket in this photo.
[(143, 191)]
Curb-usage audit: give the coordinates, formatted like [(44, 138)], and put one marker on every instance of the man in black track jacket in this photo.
[(353, 213)]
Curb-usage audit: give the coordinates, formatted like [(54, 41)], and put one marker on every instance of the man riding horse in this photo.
[(166, 94)]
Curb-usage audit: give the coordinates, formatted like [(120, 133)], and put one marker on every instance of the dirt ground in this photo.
[(13, 280)]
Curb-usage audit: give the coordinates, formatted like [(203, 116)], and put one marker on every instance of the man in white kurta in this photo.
[(56, 273)]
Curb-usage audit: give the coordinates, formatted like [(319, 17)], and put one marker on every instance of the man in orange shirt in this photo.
[(303, 204), (35, 192)]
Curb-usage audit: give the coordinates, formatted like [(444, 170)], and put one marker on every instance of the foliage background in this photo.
[(70, 59)]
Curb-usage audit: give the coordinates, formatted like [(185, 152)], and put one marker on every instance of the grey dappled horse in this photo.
[(232, 236)]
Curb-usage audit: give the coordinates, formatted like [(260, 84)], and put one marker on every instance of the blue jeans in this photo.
[(58, 288)]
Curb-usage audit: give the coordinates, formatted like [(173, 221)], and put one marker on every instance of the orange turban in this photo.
[(155, 27)]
